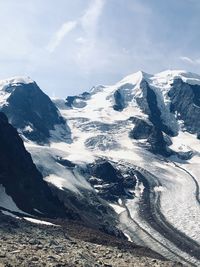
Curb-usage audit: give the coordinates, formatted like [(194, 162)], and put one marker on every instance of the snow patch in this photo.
[(128, 236), (28, 129), (15, 81), (159, 189), (37, 221), (118, 209)]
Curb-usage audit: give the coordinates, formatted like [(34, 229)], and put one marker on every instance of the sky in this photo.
[(68, 47)]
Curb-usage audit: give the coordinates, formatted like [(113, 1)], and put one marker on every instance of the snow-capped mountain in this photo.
[(124, 156), (30, 110)]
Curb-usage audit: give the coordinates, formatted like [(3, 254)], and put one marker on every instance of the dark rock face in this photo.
[(151, 108), (29, 106), (184, 155), (122, 96), (155, 113), (185, 100), (104, 170), (119, 101), (158, 144), (154, 130), (111, 183), (196, 92), (142, 129), (65, 162), (77, 101), (155, 137), (20, 178)]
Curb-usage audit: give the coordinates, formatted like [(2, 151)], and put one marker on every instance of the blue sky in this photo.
[(69, 46)]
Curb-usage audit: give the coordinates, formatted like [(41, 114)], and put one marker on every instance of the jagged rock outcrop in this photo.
[(111, 182), (77, 101), (141, 130), (185, 101), (20, 177)]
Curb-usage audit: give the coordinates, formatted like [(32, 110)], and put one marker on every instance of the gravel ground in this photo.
[(25, 244)]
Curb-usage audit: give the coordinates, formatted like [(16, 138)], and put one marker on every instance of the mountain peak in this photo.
[(185, 76), (135, 77), (15, 80), (165, 76)]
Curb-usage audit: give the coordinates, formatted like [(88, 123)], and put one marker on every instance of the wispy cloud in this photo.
[(89, 22), (66, 28), (190, 61), (90, 18)]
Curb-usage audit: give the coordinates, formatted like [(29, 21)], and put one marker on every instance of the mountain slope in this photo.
[(141, 127), (134, 148), (30, 110), (20, 181)]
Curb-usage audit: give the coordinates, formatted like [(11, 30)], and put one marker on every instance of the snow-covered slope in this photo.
[(132, 159), (126, 122)]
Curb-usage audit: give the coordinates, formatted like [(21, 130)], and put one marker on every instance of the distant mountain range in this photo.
[(122, 158)]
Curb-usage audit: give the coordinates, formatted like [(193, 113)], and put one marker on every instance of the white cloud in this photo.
[(88, 22), (191, 61), (66, 28), (90, 18), (89, 42)]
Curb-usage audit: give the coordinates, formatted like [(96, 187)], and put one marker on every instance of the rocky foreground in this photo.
[(26, 244)]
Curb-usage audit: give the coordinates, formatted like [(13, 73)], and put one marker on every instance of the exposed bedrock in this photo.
[(33, 113), (157, 112), (185, 102), (158, 142), (122, 96), (77, 101), (20, 177), (110, 181), (141, 130)]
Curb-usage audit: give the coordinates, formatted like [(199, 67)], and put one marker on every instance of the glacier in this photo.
[(167, 184)]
